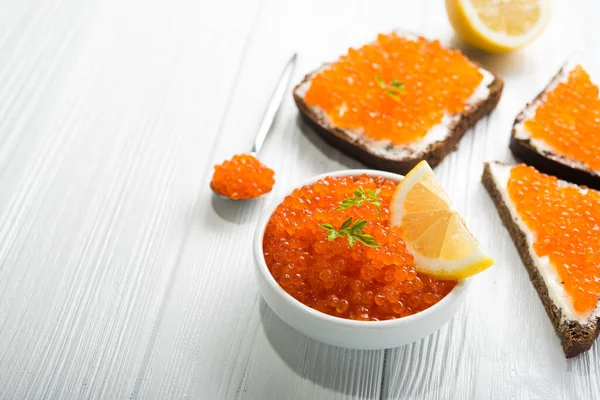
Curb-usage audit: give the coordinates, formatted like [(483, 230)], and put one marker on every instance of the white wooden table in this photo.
[(121, 276)]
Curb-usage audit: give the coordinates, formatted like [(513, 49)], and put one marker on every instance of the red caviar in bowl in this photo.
[(242, 177), (349, 281)]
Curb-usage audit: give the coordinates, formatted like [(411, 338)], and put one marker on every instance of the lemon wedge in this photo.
[(434, 233), (498, 26)]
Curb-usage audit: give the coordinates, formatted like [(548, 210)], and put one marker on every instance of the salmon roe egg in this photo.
[(355, 282), (242, 177), (568, 119), (361, 90), (566, 222)]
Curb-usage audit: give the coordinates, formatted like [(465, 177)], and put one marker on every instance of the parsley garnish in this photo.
[(392, 90), (360, 196), (353, 233)]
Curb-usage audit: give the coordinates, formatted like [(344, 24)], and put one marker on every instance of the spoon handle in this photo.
[(274, 104)]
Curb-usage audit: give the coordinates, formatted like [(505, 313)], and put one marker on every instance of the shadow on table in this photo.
[(391, 374), (506, 64), (326, 149), (331, 367), (237, 212)]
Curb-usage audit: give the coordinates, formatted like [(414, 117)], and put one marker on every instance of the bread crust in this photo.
[(359, 150), (575, 337), (548, 162)]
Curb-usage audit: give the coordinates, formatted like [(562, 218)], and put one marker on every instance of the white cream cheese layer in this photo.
[(556, 290), (439, 132), (521, 132)]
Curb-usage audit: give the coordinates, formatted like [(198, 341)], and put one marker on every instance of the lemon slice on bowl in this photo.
[(434, 233), (498, 26)]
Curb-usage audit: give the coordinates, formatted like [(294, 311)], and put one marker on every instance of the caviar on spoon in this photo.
[(244, 177)]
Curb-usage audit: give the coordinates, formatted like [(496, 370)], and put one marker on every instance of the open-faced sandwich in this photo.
[(398, 100), (555, 226), (559, 131)]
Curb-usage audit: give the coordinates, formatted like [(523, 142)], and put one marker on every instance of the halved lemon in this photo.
[(498, 26), (434, 233)]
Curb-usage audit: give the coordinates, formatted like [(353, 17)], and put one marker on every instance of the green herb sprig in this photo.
[(360, 197), (353, 233), (393, 90)]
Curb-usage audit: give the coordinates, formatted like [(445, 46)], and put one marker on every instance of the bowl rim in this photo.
[(259, 259)]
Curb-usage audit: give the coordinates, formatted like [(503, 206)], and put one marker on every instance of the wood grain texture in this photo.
[(121, 276), (101, 147)]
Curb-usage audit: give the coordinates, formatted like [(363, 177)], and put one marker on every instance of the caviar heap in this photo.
[(395, 88), (568, 119), (566, 221), (242, 177), (362, 274)]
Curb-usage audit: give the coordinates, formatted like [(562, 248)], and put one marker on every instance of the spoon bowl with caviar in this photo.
[(244, 177), (345, 259)]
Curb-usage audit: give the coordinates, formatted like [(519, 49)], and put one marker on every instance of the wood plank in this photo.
[(120, 274), (103, 135)]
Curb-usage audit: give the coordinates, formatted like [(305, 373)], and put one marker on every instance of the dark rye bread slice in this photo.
[(360, 147), (549, 162), (574, 336)]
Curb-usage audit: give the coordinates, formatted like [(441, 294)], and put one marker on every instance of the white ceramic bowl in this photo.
[(343, 332)]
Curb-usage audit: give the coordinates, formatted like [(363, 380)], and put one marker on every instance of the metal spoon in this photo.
[(270, 113)]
